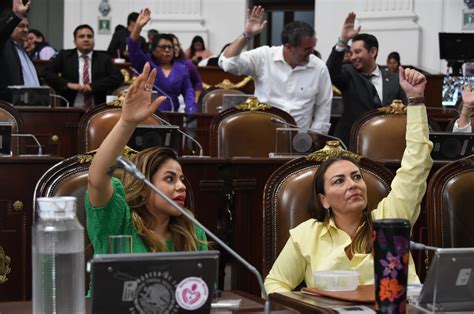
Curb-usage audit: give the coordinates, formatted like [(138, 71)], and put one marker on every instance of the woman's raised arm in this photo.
[(136, 108)]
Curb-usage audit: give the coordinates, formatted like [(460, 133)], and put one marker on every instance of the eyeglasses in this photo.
[(164, 47)]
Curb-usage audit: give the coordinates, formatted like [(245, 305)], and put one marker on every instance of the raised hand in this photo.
[(255, 22), (137, 105), (19, 8), (144, 17), (348, 30), (468, 96), (412, 82)]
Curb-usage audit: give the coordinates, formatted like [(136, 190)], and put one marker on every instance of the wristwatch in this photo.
[(416, 101)]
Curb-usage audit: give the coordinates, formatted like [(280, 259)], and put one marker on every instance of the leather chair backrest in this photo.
[(382, 137), (96, 124), (287, 195), (245, 132), (380, 134), (212, 101), (9, 114), (450, 205)]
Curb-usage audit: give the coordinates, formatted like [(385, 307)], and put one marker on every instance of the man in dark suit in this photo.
[(363, 84), (15, 64), (83, 76), (118, 43)]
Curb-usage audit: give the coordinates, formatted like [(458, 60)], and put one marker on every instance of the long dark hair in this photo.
[(362, 242), (195, 40), (181, 229), (181, 52)]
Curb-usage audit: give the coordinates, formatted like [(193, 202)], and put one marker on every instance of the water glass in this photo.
[(120, 244)]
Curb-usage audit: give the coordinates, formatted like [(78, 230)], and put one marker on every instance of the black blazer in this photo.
[(357, 92), (10, 65), (64, 68)]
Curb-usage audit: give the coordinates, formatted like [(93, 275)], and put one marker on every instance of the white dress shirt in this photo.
[(79, 101), (305, 92), (376, 80), (465, 129)]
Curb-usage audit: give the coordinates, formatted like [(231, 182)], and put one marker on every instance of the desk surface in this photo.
[(313, 304), (248, 303)]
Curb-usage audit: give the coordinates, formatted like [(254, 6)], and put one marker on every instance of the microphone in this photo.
[(40, 150), (62, 98), (131, 169), (201, 151), (421, 247), (280, 121), (157, 88)]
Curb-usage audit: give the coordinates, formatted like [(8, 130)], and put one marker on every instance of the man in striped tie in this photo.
[(82, 75)]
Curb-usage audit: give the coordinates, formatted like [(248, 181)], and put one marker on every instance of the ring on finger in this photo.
[(147, 89)]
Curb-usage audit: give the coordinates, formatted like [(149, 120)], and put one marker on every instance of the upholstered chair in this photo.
[(248, 129), (288, 191), (96, 124)]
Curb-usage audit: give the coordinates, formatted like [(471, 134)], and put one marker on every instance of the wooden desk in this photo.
[(308, 304), (18, 177), (248, 303), (55, 128)]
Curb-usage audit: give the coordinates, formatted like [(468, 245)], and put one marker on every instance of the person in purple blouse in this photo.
[(172, 78), (193, 72)]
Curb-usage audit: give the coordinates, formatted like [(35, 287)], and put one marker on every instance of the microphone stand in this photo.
[(131, 169), (315, 132), (420, 246), (157, 88), (60, 97), (201, 150), (40, 150)]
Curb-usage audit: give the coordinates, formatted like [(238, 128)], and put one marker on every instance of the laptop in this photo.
[(230, 100), (30, 96), (146, 136), (449, 285), (171, 282)]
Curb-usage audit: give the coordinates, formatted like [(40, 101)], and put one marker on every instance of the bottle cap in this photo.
[(56, 207)]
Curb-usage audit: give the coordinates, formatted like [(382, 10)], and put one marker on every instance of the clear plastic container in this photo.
[(58, 257), (336, 280)]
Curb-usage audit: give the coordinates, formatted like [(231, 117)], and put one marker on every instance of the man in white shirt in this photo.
[(288, 77), (463, 124)]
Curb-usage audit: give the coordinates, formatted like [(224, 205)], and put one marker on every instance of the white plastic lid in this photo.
[(57, 207), (336, 280)]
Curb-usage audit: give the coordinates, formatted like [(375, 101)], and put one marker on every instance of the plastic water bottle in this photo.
[(58, 257)]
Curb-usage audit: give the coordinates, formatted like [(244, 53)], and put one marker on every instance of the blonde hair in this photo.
[(181, 229)]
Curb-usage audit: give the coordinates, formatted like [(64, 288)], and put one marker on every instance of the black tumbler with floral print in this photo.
[(391, 241)]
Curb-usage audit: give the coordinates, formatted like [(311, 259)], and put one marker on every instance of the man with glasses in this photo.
[(83, 76), (15, 64), (288, 77)]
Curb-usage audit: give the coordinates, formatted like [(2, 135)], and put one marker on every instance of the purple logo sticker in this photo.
[(191, 293)]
